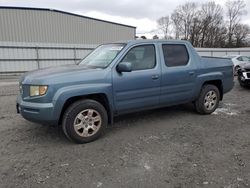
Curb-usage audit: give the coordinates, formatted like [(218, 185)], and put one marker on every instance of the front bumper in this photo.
[(244, 78), (42, 113)]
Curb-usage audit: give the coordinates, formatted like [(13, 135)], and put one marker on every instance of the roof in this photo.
[(63, 12), (141, 41)]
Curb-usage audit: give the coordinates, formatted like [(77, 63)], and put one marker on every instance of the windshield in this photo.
[(247, 58), (102, 56)]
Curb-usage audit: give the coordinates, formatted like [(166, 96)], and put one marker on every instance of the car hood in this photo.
[(61, 74), (246, 66)]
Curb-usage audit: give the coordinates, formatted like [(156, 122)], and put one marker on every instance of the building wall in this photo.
[(37, 38), (51, 26)]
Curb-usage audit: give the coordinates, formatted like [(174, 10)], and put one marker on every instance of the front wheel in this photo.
[(236, 69), (84, 121), (208, 99), (241, 82)]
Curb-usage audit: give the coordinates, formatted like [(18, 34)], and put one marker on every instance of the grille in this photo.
[(248, 74)]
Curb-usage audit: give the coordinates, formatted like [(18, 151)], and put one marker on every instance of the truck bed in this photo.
[(213, 62)]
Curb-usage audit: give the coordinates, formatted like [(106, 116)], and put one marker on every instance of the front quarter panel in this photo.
[(63, 94)]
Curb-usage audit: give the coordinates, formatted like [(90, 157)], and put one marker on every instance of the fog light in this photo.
[(242, 78)]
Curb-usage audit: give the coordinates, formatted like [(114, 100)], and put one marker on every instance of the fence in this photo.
[(21, 57), (16, 58), (221, 52)]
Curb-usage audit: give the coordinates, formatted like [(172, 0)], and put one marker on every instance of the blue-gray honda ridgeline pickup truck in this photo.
[(120, 78)]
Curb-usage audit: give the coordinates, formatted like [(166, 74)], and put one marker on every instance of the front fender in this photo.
[(64, 93)]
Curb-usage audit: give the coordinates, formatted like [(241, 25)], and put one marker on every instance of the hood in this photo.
[(246, 66), (61, 74)]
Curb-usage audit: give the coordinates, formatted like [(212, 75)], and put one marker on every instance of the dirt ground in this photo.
[(169, 147)]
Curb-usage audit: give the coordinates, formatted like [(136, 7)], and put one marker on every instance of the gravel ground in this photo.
[(169, 147)]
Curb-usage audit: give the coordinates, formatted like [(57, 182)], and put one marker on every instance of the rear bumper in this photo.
[(42, 113)]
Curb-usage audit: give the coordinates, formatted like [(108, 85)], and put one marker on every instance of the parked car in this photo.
[(244, 75), (122, 78), (238, 60)]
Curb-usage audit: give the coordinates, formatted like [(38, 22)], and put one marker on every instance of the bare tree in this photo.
[(241, 32), (220, 37), (204, 24), (183, 16), (235, 9), (155, 37), (176, 19), (163, 24), (211, 22)]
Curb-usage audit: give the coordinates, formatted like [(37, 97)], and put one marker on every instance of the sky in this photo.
[(141, 14)]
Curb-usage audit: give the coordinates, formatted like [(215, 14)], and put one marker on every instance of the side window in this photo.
[(244, 58), (175, 55), (141, 57), (240, 59)]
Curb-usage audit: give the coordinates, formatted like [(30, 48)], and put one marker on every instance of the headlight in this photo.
[(21, 88), (38, 90)]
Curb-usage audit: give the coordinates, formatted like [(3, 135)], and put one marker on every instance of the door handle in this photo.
[(155, 77), (191, 73)]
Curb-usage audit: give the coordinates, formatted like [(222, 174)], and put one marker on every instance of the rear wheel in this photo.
[(208, 99), (84, 121)]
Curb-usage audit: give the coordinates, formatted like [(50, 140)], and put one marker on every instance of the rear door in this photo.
[(139, 89), (178, 74)]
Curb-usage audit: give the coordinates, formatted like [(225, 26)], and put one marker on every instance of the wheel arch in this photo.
[(99, 97), (217, 83)]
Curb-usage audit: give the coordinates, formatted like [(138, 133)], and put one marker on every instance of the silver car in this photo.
[(239, 60)]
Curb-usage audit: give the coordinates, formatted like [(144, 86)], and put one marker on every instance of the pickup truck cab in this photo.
[(120, 78)]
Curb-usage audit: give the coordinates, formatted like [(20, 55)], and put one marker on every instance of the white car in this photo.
[(239, 60)]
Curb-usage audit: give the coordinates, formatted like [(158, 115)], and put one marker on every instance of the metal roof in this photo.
[(63, 12)]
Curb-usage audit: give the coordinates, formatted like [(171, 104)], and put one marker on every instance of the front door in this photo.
[(139, 89)]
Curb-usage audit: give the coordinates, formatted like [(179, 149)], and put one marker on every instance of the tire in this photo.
[(84, 121), (208, 99), (242, 84), (236, 70)]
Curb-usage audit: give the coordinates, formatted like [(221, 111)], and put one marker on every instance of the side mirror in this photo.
[(124, 67)]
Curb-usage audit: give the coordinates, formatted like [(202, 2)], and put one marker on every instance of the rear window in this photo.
[(175, 55)]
